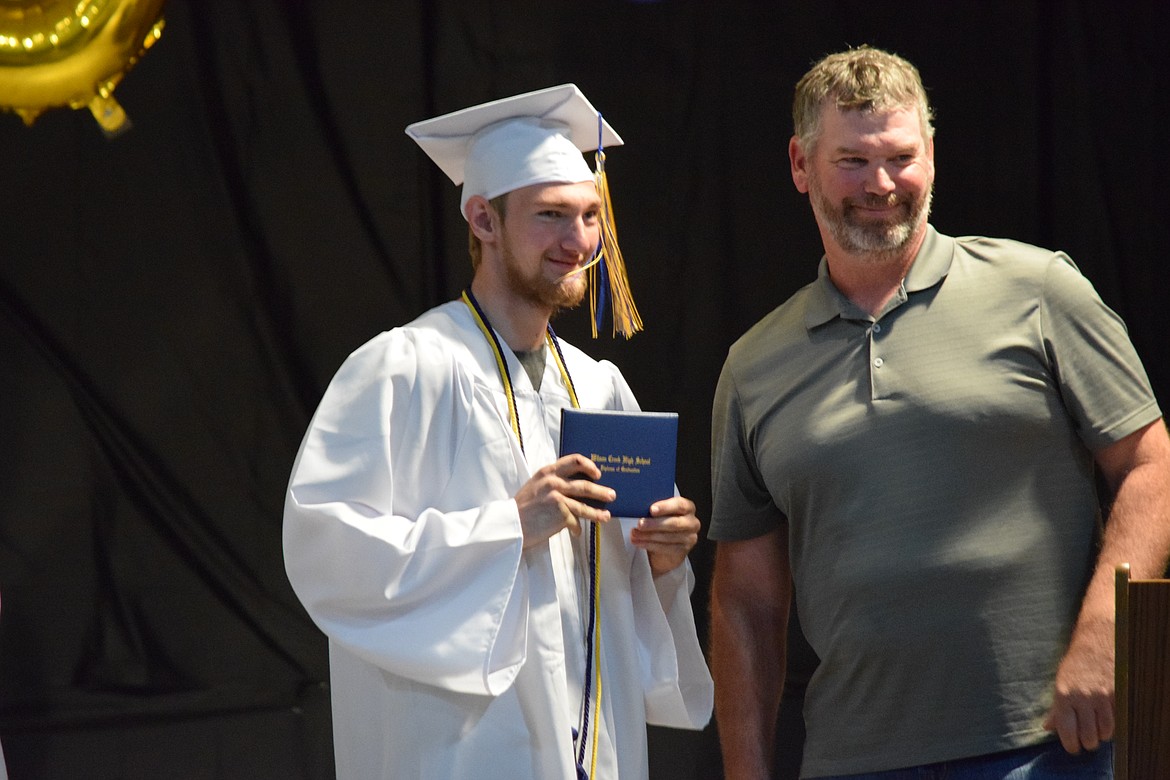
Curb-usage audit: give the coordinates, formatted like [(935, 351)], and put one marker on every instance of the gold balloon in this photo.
[(57, 53)]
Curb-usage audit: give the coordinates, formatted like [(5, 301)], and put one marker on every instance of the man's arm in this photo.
[(750, 597), (1137, 532)]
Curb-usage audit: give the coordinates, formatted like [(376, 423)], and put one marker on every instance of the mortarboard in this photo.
[(535, 138)]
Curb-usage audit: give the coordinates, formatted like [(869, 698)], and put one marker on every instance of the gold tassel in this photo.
[(626, 319)]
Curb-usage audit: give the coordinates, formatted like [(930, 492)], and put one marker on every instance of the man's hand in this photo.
[(553, 499), (668, 534), (1082, 703)]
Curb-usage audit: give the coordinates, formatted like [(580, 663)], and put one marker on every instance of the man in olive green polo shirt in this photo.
[(910, 443)]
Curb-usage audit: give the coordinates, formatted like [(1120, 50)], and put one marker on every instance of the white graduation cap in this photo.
[(501, 146)]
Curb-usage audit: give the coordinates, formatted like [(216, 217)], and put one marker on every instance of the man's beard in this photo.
[(878, 238), (557, 295)]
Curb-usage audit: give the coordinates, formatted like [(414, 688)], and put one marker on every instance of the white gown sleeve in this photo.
[(676, 681), (678, 688), (401, 545)]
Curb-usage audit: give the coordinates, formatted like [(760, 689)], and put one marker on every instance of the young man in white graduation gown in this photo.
[(484, 620)]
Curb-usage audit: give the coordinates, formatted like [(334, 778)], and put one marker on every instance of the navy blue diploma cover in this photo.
[(634, 450)]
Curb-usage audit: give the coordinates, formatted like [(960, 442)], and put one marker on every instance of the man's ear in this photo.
[(799, 163), (482, 218)]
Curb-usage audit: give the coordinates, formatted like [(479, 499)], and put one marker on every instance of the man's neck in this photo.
[(871, 279), (519, 322), (869, 283)]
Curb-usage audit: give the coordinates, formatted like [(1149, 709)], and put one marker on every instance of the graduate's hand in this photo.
[(554, 499), (668, 534)]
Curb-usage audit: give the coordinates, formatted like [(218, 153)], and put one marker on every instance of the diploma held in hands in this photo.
[(634, 450)]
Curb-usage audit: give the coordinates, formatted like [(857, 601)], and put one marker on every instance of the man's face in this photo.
[(869, 178), (549, 233)]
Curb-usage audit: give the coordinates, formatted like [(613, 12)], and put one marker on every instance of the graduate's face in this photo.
[(549, 232), (869, 178)]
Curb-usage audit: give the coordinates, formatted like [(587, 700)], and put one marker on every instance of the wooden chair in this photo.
[(1141, 747)]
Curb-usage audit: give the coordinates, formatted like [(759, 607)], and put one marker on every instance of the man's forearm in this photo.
[(748, 664), (1138, 533), (1137, 530)]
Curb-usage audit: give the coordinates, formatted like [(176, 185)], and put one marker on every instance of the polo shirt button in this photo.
[(877, 362), (877, 328)]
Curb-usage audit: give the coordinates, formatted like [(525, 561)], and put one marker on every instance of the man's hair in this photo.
[(474, 247), (861, 79)]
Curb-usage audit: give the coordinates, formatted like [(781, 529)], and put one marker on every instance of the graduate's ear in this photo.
[(482, 219)]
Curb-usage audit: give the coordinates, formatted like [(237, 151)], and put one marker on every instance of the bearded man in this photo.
[(908, 444)]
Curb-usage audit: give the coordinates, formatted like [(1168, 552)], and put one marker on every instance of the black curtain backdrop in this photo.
[(174, 300)]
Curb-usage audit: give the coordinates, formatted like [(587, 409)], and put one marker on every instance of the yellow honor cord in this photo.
[(556, 353), (596, 646), (501, 365)]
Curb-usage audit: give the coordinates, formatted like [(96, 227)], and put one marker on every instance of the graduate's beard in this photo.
[(564, 293), (870, 237)]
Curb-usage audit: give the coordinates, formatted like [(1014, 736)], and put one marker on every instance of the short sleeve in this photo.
[(742, 507), (1101, 379)]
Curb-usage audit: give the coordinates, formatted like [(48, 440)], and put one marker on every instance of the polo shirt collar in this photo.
[(930, 266)]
